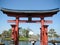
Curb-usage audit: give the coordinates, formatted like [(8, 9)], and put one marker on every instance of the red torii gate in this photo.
[(30, 14)]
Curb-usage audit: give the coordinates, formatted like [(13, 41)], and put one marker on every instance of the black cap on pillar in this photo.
[(46, 26), (13, 25)]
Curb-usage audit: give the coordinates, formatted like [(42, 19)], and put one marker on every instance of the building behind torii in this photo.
[(30, 14)]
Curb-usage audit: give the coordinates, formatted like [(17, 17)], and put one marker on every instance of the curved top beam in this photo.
[(31, 13)]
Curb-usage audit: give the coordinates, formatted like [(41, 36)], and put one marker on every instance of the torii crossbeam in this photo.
[(30, 14)]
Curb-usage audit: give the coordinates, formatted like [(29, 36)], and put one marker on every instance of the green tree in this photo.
[(5, 33), (52, 33), (24, 32), (21, 32), (10, 32)]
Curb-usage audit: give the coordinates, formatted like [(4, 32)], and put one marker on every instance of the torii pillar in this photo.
[(17, 29), (13, 33), (42, 31), (45, 35)]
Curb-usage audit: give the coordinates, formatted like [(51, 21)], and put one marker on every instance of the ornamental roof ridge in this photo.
[(30, 11)]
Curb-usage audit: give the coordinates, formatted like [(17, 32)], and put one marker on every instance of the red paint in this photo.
[(42, 31), (16, 31), (13, 32), (32, 21), (45, 35)]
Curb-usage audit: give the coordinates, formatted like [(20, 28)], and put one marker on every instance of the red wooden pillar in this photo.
[(45, 35), (42, 31), (13, 32), (16, 31)]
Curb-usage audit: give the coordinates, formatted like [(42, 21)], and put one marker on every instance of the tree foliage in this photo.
[(24, 32), (52, 33)]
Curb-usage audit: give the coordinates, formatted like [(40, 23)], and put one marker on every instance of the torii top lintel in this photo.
[(31, 13)]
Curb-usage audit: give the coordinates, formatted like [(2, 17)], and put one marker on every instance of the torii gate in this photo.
[(30, 14)]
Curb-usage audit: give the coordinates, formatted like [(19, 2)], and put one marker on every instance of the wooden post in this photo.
[(45, 35), (42, 31), (13, 36), (16, 29), (13, 31)]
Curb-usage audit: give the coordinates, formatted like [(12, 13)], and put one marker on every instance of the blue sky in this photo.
[(29, 5)]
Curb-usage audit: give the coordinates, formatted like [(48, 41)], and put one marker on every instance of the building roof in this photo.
[(32, 13)]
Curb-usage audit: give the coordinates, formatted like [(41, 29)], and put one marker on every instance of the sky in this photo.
[(30, 5)]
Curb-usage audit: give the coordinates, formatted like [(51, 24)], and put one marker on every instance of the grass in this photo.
[(23, 39), (20, 39), (7, 39)]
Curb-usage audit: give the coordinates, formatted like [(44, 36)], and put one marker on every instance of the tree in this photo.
[(52, 33), (23, 32), (10, 32), (5, 34)]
